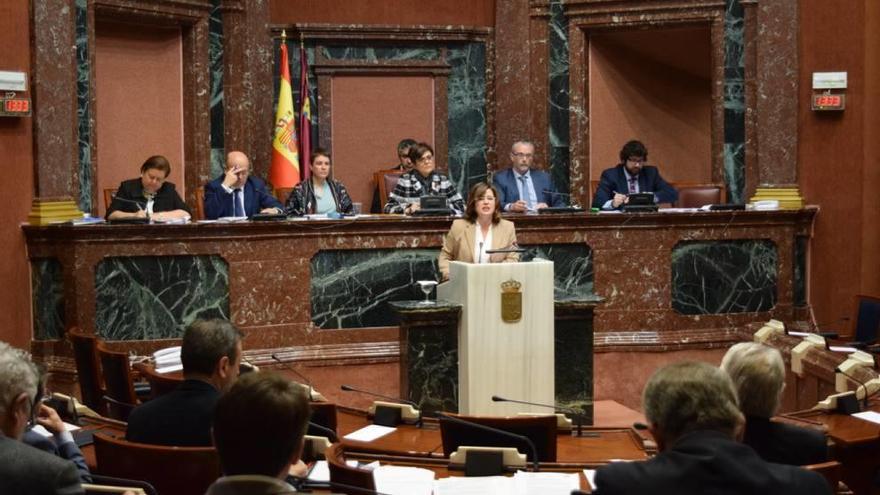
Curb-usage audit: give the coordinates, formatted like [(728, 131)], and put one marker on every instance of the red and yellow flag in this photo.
[(284, 171)]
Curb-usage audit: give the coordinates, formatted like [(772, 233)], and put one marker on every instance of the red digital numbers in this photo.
[(17, 106), (827, 101)]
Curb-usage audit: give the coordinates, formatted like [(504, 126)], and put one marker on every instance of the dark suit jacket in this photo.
[(218, 202), (784, 443), (614, 180), (26, 470), (132, 191), (67, 450), (181, 417), (505, 181), (707, 462)]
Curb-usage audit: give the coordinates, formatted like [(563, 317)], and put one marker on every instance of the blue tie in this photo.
[(525, 191), (238, 209)]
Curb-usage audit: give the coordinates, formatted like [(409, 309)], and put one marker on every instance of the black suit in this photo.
[(131, 194), (613, 180), (784, 443), (707, 462), (27, 470), (64, 450), (181, 417)]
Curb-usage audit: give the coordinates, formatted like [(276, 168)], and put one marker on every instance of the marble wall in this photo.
[(559, 155), (215, 54), (156, 297), (724, 276), (83, 107), (47, 296), (734, 102)]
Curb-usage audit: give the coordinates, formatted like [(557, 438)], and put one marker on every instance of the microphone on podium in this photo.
[(579, 421), (860, 382), (415, 407), (520, 438)]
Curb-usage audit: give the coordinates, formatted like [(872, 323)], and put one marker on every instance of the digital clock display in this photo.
[(15, 107), (829, 102)]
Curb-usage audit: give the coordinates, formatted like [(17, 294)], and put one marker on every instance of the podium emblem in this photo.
[(511, 301)]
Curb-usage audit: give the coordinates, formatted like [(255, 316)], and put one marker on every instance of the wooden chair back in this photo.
[(159, 384), (387, 181), (282, 193), (342, 473), (831, 471), (108, 197), (119, 393), (866, 320), (697, 195), (199, 210), (171, 470), (541, 430), (88, 368), (324, 414)]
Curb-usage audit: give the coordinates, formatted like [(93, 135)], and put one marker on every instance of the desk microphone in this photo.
[(817, 326), (349, 388), (326, 432), (303, 484), (570, 410), (134, 202), (520, 438), (860, 382), (297, 373), (548, 191)]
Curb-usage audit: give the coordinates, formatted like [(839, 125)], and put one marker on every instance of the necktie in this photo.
[(632, 185), (238, 208), (524, 194)]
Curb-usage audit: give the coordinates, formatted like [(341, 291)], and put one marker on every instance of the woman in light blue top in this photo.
[(320, 194)]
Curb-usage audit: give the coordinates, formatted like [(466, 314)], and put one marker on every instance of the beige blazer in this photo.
[(458, 245)]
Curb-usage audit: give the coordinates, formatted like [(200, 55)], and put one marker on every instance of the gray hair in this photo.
[(758, 374), (688, 396), (522, 141), (18, 375)]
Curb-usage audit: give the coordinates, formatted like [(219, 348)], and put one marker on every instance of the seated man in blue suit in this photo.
[(236, 193), (523, 188), (630, 176)]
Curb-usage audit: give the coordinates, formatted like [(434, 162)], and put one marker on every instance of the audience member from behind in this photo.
[(211, 355), (24, 469), (481, 229), (404, 165), (320, 193), (758, 373), (693, 414), (236, 193), (631, 176), (422, 180), (259, 426), (149, 197)]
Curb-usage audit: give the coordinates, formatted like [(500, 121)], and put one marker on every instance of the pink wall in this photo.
[(371, 114), (139, 112), (654, 86)]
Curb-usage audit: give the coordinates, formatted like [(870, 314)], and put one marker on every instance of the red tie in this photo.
[(632, 185)]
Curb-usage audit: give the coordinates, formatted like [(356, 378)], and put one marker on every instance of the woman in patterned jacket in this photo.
[(320, 194)]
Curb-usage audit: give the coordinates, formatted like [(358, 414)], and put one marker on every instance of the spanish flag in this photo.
[(284, 171)]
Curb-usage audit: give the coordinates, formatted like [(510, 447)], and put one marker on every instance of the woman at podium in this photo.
[(482, 229), (319, 194), (150, 196)]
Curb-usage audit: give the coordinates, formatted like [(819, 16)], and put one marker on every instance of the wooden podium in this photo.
[(512, 359)]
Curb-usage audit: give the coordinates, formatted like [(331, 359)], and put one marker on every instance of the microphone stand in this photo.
[(497, 431), (860, 382), (579, 420), (297, 373), (349, 388)]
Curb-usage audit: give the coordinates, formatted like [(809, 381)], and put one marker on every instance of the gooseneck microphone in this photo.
[(579, 421), (860, 382), (349, 388), (297, 373), (130, 201), (301, 484), (327, 432), (520, 438)]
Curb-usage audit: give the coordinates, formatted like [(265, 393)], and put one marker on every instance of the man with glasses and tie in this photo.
[(523, 188), (236, 193), (631, 176)]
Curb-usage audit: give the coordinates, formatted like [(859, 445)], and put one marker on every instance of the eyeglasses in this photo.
[(522, 155), (635, 160), (427, 158)]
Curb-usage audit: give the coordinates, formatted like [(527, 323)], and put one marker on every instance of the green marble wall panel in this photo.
[(156, 297), (83, 109), (734, 102), (47, 297), (215, 56), (572, 268), (558, 97), (716, 277), (574, 364), (799, 282)]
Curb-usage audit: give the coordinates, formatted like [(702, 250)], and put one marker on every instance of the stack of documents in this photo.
[(522, 483), (167, 360)]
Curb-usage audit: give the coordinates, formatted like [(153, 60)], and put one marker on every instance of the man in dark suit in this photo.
[(758, 374), (24, 469), (523, 188), (211, 355), (630, 176), (236, 193), (693, 415)]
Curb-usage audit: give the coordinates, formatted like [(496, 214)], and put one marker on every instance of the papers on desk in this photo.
[(168, 360), (46, 433), (590, 474), (369, 433), (320, 472), (231, 219), (403, 480), (522, 483), (842, 348), (871, 416)]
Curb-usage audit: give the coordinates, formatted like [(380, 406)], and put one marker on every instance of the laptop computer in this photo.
[(430, 206)]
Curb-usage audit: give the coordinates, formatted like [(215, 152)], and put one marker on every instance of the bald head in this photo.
[(238, 166)]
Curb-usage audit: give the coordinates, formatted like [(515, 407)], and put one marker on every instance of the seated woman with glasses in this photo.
[(320, 194), (482, 229), (149, 197), (422, 180)]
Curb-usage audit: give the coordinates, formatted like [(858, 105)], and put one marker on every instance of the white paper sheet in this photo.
[(403, 480), (320, 472), (590, 474), (527, 483), (46, 433), (369, 433), (871, 416), (483, 485)]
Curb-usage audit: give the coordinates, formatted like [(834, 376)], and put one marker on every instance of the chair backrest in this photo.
[(541, 430), (697, 195), (830, 470), (324, 414), (199, 210), (867, 323), (117, 378), (88, 368), (282, 193), (108, 197), (344, 474), (159, 384), (248, 484), (386, 180), (171, 470)]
